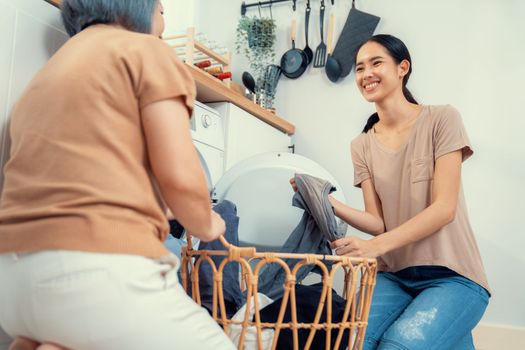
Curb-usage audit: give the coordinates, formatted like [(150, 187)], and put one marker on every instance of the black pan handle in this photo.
[(306, 23), (322, 18)]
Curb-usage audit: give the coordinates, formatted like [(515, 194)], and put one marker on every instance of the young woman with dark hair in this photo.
[(431, 289), (101, 144), (399, 52)]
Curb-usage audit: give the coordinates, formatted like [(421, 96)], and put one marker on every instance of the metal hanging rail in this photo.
[(244, 6), (260, 4)]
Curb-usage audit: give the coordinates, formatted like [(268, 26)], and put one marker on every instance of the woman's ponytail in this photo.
[(408, 95), (374, 118)]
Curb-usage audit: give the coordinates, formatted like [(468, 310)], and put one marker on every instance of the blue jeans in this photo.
[(424, 307), (174, 245)]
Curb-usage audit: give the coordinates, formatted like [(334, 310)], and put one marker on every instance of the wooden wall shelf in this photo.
[(210, 89)]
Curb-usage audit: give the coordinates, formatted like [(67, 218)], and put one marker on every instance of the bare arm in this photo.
[(371, 219), (445, 190), (176, 167)]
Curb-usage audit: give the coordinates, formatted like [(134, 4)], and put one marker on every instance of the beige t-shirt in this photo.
[(79, 177), (403, 182)]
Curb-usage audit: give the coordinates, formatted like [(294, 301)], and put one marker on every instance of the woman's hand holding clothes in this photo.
[(218, 226), (356, 247), (294, 185)]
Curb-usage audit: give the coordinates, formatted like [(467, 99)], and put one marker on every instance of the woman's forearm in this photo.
[(361, 220), (427, 222)]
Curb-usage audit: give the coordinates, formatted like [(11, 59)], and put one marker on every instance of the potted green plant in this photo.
[(256, 41)]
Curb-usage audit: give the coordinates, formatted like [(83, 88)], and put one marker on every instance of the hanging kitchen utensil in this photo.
[(307, 50), (294, 61), (249, 82), (332, 67), (271, 78), (320, 52), (268, 89), (358, 28)]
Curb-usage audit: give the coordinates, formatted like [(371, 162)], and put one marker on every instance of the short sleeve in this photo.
[(162, 75), (449, 134), (361, 171)]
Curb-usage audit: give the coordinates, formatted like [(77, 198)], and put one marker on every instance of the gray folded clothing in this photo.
[(317, 227)]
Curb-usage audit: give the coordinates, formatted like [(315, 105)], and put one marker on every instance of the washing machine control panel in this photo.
[(206, 126)]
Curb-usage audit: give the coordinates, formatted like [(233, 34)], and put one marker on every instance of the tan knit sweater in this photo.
[(78, 177)]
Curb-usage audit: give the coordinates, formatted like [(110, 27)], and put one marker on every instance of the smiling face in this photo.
[(157, 26), (377, 74)]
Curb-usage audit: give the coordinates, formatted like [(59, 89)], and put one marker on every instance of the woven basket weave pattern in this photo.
[(359, 278)]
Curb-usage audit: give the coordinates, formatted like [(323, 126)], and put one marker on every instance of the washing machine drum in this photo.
[(260, 188)]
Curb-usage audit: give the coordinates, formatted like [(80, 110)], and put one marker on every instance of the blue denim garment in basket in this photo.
[(233, 296)]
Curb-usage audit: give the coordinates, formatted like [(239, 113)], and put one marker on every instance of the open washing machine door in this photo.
[(212, 163), (260, 188)]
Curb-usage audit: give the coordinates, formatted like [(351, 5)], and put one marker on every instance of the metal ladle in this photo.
[(307, 50)]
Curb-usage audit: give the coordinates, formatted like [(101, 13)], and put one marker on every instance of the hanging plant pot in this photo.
[(261, 34), (256, 41)]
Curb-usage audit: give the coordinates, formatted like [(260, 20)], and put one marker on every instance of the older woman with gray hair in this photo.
[(101, 145)]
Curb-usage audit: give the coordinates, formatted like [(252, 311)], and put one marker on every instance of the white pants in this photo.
[(102, 301)]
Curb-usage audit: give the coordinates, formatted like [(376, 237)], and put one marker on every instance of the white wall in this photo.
[(179, 15), (468, 53), (30, 32)]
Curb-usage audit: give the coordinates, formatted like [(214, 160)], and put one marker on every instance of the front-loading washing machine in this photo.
[(207, 132), (260, 188)]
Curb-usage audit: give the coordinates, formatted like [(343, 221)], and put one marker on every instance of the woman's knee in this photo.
[(388, 303), (50, 347), (22, 343)]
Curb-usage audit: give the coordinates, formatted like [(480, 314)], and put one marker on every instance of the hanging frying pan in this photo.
[(294, 61)]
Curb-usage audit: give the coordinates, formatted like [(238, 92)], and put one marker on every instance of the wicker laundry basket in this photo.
[(359, 283)]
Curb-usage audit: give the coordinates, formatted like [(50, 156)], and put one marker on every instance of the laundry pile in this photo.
[(316, 228)]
